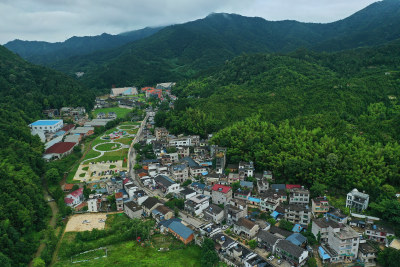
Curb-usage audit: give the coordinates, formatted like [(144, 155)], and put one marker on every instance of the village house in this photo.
[(161, 213), (185, 193), (234, 177), (198, 187), (299, 196), (149, 205), (51, 113), (235, 210), (336, 215), (214, 213), (367, 254), (133, 210), (119, 201), (242, 194), (220, 160), (321, 227), (166, 185), (181, 232), (197, 204), (114, 185), (292, 253), (161, 133), (221, 194), (183, 151), (182, 141), (297, 239), (357, 201), (198, 171), (278, 232), (84, 131), (319, 205), (379, 233), (246, 169), (246, 228), (262, 185), (344, 241), (74, 198), (297, 214), (267, 241), (139, 197), (270, 199)]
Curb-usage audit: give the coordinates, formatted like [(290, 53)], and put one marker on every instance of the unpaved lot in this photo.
[(98, 167), (75, 223)]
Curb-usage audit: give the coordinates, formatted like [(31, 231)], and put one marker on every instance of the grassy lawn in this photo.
[(130, 253), (114, 155), (108, 147), (125, 140), (92, 154), (121, 112)]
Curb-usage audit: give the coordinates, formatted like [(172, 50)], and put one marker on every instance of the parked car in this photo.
[(279, 262), (271, 258)]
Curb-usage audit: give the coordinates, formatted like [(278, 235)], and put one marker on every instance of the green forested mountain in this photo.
[(181, 51), (46, 53), (25, 90)]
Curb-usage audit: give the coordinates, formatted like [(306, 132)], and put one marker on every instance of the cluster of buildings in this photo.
[(60, 138)]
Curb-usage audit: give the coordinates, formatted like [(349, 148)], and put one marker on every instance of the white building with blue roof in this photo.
[(46, 126)]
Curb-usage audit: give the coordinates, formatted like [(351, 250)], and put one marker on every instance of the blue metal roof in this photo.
[(246, 184), (166, 223), (297, 228), (180, 229), (254, 199), (275, 214), (45, 122), (59, 133), (198, 185), (322, 253), (296, 239)]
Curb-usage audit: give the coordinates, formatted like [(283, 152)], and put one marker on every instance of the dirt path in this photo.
[(52, 223)]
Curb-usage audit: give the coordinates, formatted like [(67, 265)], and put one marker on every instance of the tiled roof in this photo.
[(60, 148), (267, 237), (246, 223), (68, 127), (150, 202), (291, 186), (77, 192), (297, 239), (164, 180), (221, 188), (290, 248)]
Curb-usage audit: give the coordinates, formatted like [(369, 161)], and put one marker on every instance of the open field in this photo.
[(130, 253), (75, 222), (121, 112), (108, 147)]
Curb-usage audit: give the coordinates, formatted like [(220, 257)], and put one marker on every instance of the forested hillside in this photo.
[(46, 53), (181, 51), (24, 91)]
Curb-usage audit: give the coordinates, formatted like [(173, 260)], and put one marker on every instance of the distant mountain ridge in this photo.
[(44, 52), (182, 51)]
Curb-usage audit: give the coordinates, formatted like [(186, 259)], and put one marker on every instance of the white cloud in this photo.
[(57, 20)]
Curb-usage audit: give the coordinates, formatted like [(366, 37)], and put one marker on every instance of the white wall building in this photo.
[(46, 126)]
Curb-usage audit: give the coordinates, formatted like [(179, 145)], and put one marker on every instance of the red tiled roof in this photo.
[(119, 195), (77, 192), (68, 186), (224, 189), (291, 186), (80, 206), (125, 180), (147, 88), (68, 127), (142, 174), (68, 200), (60, 148)]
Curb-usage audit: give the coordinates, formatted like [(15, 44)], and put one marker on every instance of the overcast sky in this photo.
[(57, 20)]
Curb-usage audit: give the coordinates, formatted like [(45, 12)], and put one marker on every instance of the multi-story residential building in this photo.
[(198, 171), (182, 141), (319, 205), (246, 169), (270, 199), (246, 227), (242, 194), (183, 151), (133, 210), (166, 185), (195, 140), (221, 194), (179, 173), (321, 227), (379, 233), (344, 241), (149, 205), (197, 204), (267, 241), (367, 254), (161, 133), (297, 214), (235, 210), (46, 126), (119, 200), (357, 201), (292, 253), (262, 185), (185, 193), (214, 213), (299, 196), (220, 160)]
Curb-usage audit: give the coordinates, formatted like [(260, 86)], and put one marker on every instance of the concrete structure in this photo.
[(161, 133), (74, 198), (124, 91), (133, 210), (246, 169), (299, 196), (336, 215), (267, 241), (166, 185), (59, 150), (179, 173), (357, 201), (379, 233), (149, 205), (321, 227), (46, 126), (214, 213), (246, 228), (297, 214), (344, 241), (367, 254), (221, 194), (197, 204), (319, 205), (184, 141), (235, 210)]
